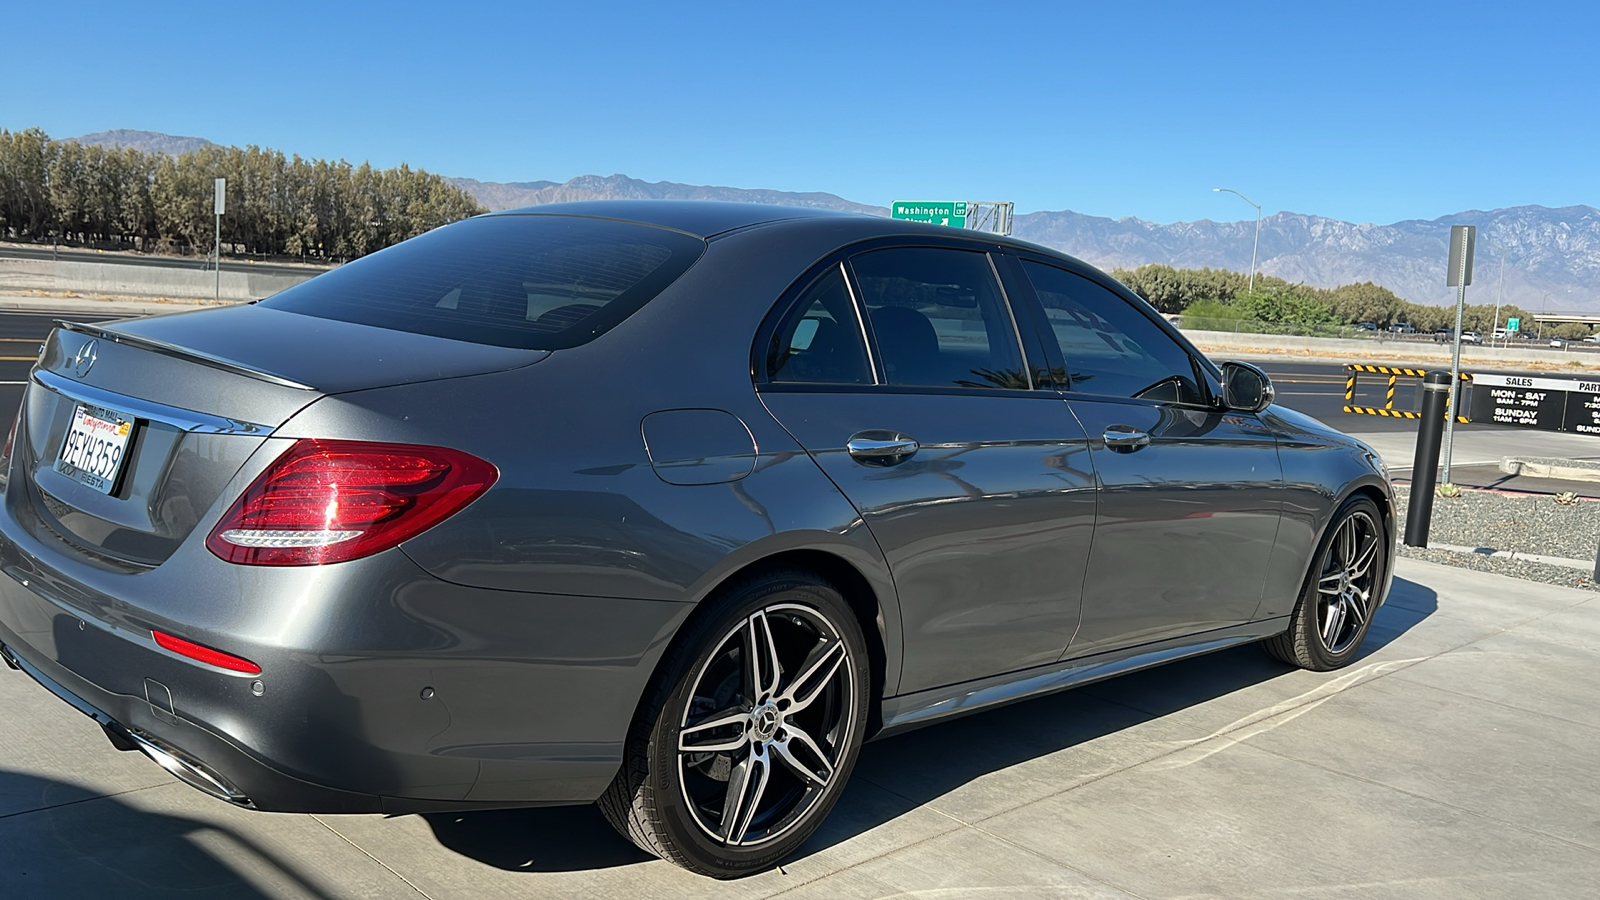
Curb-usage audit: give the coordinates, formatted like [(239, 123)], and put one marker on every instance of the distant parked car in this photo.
[(1366, 326), (1471, 337), (1558, 343), (1403, 328), (1444, 335)]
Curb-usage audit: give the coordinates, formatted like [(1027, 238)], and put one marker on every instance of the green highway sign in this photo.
[(938, 212), (1513, 324)]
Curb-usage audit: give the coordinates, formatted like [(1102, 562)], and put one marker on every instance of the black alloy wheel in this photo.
[(753, 732), (1342, 592)]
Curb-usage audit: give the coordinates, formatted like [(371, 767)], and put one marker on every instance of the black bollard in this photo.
[(1425, 467)]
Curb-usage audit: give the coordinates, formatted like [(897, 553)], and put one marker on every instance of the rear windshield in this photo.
[(531, 282)]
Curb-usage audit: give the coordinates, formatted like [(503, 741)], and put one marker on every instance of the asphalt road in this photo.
[(24, 251), (1317, 389), (20, 337)]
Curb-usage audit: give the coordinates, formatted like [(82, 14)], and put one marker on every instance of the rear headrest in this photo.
[(907, 342)]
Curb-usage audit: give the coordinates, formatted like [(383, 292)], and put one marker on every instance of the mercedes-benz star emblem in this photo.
[(84, 361)]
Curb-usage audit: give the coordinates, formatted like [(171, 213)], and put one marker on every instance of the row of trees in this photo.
[(277, 206), (1220, 294)]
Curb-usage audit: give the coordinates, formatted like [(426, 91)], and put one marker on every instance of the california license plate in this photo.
[(96, 442)]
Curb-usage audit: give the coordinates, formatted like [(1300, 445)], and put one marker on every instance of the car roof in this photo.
[(702, 218)]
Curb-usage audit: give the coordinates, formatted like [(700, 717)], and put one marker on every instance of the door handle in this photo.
[(1125, 438), (881, 447)]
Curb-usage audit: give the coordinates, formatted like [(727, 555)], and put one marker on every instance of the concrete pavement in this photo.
[(1456, 758)]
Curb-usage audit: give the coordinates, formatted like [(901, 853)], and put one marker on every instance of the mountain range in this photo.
[(1551, 256)]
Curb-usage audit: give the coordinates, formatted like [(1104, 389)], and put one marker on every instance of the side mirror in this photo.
[(1246, 387)]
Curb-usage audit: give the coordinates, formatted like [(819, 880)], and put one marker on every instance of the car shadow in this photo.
[(59, 840), (557, 839), (947, 755)]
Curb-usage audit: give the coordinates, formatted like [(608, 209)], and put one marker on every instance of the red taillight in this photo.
[(331, 501), (205, 654)]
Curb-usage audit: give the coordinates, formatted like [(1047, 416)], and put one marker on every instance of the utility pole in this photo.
[(219, 205)]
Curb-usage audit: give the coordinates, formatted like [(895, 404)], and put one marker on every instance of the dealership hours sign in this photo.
[(1548, 404)]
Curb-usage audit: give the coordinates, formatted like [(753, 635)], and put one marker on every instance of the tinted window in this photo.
[(1109, 346), (535, 282), (818, 341), (938, 318)]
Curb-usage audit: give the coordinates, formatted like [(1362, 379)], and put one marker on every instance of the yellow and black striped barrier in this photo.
[(1394, 373)]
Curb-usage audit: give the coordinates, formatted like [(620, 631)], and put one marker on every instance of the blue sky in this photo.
[(1369, 112)]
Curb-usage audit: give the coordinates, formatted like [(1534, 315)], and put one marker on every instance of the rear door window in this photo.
[(1108, 346), (938, 318), (531, 282)]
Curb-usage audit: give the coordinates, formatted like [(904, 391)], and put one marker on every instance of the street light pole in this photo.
[(1500, 300), (219, 206), (1257, 246)]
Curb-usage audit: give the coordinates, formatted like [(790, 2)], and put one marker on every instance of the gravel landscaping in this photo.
[(1490, 520)]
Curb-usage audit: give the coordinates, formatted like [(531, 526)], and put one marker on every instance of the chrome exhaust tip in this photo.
[(190, 772)]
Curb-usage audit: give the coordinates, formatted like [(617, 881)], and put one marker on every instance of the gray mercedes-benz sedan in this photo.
[(668, 506)]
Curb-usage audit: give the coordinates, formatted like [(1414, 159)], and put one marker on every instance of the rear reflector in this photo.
[(331, 501), (205, 654)]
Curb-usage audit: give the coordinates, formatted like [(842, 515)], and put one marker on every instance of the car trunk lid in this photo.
[(193, 396)]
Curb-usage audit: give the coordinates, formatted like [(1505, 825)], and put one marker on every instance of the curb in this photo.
[(1490, 553), (1527, 469)]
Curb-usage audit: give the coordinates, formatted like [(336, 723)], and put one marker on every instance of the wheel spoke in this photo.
[(746, 784), (1358, 606), (1329, 584), (693, 738), (815, 675), (762, 652), (1364, 559), (1335, 621), (1347, 542), (818, 774)]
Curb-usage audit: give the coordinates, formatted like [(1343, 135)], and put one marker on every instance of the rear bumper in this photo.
[(192, 754), (406, 694)]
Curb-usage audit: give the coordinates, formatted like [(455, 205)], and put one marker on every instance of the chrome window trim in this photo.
[(878, 379)]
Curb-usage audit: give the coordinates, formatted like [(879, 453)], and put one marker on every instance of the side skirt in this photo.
[(911, 711)]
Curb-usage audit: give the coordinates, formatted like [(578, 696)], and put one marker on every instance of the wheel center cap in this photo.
[(764, 722)]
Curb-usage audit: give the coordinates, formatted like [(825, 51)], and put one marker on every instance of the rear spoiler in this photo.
[(166, 349)]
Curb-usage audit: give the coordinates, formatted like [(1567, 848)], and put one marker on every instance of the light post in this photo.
[(1257, 246), (1544, 310), (1499, 301)]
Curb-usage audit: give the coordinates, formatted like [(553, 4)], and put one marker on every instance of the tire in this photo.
[(1343, 590), (675, 794)]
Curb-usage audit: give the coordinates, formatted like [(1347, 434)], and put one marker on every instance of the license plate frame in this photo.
[(95, 447)]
